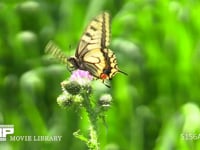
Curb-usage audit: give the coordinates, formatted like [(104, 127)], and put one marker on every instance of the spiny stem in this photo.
[(93, 141)]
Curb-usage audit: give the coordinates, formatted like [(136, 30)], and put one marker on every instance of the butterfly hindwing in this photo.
[(101, 61), (94, 62)]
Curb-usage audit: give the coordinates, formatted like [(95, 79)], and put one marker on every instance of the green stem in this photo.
[(93, 141)]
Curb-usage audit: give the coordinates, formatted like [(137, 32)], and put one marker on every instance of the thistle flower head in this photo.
[(81, 76)]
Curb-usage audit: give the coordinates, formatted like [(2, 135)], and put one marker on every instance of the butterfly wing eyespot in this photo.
[(103, 76)]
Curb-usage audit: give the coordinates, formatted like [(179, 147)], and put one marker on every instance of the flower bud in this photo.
[(105, 101), (71, 87), (64, 100), (78, 99)]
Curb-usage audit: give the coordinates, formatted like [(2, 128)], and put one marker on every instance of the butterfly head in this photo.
[(73, 62)]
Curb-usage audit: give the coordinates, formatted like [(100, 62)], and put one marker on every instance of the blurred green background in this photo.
[(157, 42)]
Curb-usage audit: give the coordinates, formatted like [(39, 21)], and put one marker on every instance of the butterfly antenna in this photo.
[(52, 49), (123, 72)]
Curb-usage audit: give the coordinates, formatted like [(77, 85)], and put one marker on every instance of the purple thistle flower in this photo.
[(81, 76)]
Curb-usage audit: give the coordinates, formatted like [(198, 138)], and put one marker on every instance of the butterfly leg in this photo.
[(105, 83)]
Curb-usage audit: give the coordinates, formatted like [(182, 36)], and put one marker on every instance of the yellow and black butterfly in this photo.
[(92, 53)]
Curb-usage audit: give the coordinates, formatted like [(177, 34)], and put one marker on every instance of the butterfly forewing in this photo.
[(96, 35), (105, 40)]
